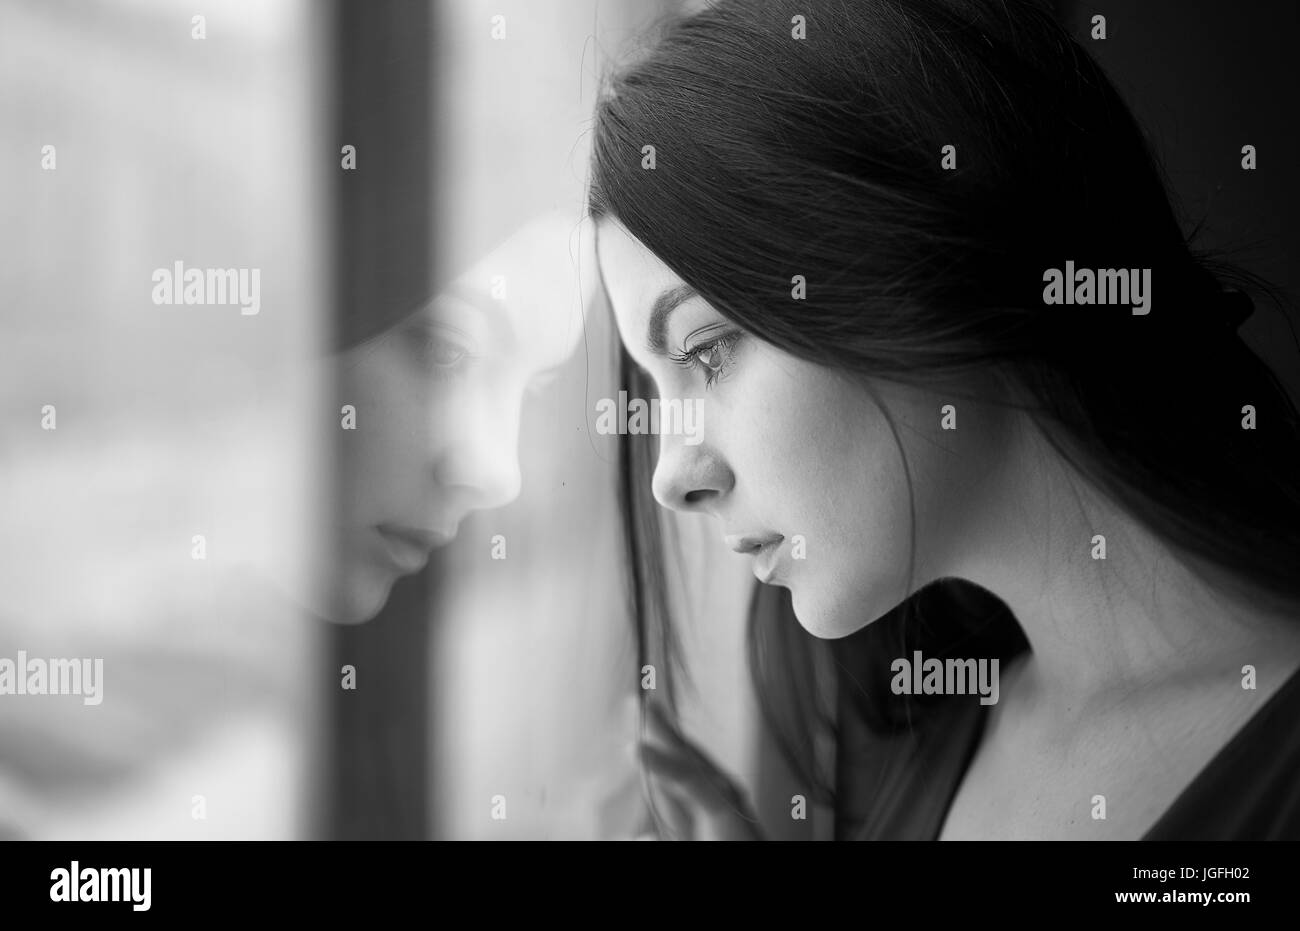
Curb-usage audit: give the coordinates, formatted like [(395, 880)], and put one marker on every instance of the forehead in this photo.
[(531, 287), (634, 276)]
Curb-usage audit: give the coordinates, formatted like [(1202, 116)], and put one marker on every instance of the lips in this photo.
[(428, 539), (764, 547), (408, 547)]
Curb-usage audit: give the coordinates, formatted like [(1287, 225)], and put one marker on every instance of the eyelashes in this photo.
[(714, 356)]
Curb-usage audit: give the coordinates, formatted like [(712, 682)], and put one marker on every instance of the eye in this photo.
[(713, 356)]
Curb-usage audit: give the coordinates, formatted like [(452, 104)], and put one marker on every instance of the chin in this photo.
[(356, 599), (836, 617), (817, 617)]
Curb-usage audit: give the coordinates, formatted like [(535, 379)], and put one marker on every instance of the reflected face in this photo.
[(438, 399), (797, 462)]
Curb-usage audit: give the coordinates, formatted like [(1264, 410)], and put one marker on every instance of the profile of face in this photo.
[(797, 462), (438, 399)]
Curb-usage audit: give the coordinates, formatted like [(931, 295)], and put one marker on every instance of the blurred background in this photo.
[(485, 678), (169, 423)]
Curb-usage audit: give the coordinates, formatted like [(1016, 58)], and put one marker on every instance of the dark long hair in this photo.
[(778, 156)]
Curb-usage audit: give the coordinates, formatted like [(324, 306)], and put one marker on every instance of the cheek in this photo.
[(826, 466), (476, 411), (827, 450), (394, 419), (546, 339)]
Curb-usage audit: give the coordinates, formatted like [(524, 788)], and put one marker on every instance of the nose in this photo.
[(690, 477)]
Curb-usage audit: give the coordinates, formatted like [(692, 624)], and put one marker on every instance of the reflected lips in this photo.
[(408, 548), (762, 546)]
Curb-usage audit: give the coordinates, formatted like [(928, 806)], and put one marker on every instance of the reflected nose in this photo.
[(479, 468), (690, 477), (487, 477)]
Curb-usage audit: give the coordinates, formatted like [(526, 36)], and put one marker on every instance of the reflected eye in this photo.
[(443, 358), (436, 350), (444, 354)]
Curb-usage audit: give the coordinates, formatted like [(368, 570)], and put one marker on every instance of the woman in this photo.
[(849, 229)]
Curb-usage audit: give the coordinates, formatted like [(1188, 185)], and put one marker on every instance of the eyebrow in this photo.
[(458, 294), (665, 304)]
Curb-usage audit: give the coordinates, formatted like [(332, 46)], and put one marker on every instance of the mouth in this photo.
[(408, 548), (764, 547)]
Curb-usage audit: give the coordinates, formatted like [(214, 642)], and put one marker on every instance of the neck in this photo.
[(1100, 628)]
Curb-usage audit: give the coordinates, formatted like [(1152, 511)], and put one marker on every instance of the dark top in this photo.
[(906, 783)]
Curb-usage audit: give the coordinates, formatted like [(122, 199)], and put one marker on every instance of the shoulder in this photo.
[(1251, 790)]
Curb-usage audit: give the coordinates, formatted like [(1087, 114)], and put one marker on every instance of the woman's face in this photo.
[(797, 463), (438, 399)]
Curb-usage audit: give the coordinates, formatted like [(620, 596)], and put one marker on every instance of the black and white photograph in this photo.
[(619, 420)]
